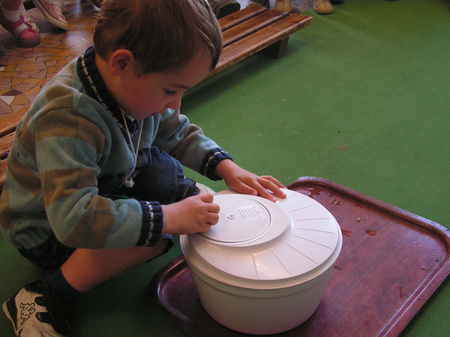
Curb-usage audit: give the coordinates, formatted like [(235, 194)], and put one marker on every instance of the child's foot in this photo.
[(323, 6), (32, 312), (20, 25), (52, 11)]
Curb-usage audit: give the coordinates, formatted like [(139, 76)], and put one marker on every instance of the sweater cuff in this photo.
[(213, 158), (152, 223)]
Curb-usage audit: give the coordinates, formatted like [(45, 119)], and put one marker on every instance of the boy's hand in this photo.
[(243, 181), (192, 215)]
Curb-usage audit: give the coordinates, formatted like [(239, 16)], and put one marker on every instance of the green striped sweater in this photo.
[(64, 144)]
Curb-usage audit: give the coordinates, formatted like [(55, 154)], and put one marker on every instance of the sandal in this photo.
[(24, 30)]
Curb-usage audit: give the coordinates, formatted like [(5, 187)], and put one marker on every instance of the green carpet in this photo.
[(361, 98)]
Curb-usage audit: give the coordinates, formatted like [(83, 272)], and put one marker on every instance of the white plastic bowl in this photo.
[(264, 267)]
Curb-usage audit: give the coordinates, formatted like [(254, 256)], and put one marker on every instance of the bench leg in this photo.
[(277, 49)]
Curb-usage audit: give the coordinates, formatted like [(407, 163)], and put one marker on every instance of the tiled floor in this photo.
[(24, 71)]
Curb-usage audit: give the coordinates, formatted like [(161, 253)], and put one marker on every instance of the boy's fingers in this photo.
[(274, 180), (245, 189), (263, 192), (213, 218), (206, 197), (266, 195), (274, 188), (213, 208)]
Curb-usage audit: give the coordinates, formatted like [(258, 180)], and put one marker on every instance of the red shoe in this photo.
[(25, 31), (52, 11)]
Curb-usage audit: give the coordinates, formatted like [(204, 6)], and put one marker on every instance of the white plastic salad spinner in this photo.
[(262, 253), (259, 244)]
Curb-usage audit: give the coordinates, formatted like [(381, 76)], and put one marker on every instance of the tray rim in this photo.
[(172, 268), (435, 227), (430, 284), (406, 312)]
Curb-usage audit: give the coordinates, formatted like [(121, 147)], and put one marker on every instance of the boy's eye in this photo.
[(169, 92)]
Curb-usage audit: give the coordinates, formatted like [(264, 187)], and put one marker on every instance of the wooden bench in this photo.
[(254, 29), (245, 32)]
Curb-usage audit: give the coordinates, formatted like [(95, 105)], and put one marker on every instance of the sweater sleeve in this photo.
[(187, 142), (68, 149)]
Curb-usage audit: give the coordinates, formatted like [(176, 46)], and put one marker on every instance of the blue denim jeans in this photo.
[(48, 256), (162, 179), (159, 177)]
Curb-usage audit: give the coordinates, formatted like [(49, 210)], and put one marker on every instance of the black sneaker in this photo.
[(31, 312)]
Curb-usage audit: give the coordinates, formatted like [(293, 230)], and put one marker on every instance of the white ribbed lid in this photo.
[(241, 219), (258, 240)]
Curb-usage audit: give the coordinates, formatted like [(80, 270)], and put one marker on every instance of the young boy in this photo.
[(93, 186)]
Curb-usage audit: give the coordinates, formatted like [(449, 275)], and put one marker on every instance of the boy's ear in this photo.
[(121, 60)]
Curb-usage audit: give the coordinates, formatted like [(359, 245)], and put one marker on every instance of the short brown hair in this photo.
[(162, 34)]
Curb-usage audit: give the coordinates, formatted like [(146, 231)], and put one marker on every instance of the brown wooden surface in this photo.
[(277, 50), (245, 32), (251, 25), (27, 70), (5, 144), (260, 39), (2, 173), (240, 16), (391, 263), (8, 122)]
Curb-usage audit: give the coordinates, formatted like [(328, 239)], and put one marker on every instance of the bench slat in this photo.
[(259, 40), (251, 25), (5, 144), (237, 17), (2, 173), (8, 122)]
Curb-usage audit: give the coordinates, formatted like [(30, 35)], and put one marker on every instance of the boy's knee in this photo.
[(163, 179)]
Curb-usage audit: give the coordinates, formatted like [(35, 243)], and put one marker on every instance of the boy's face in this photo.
[(149, 94)]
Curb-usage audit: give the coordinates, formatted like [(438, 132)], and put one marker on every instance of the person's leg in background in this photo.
[(326, 6), (323, 6), (14, 18), (52, 11), (224, 7)]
